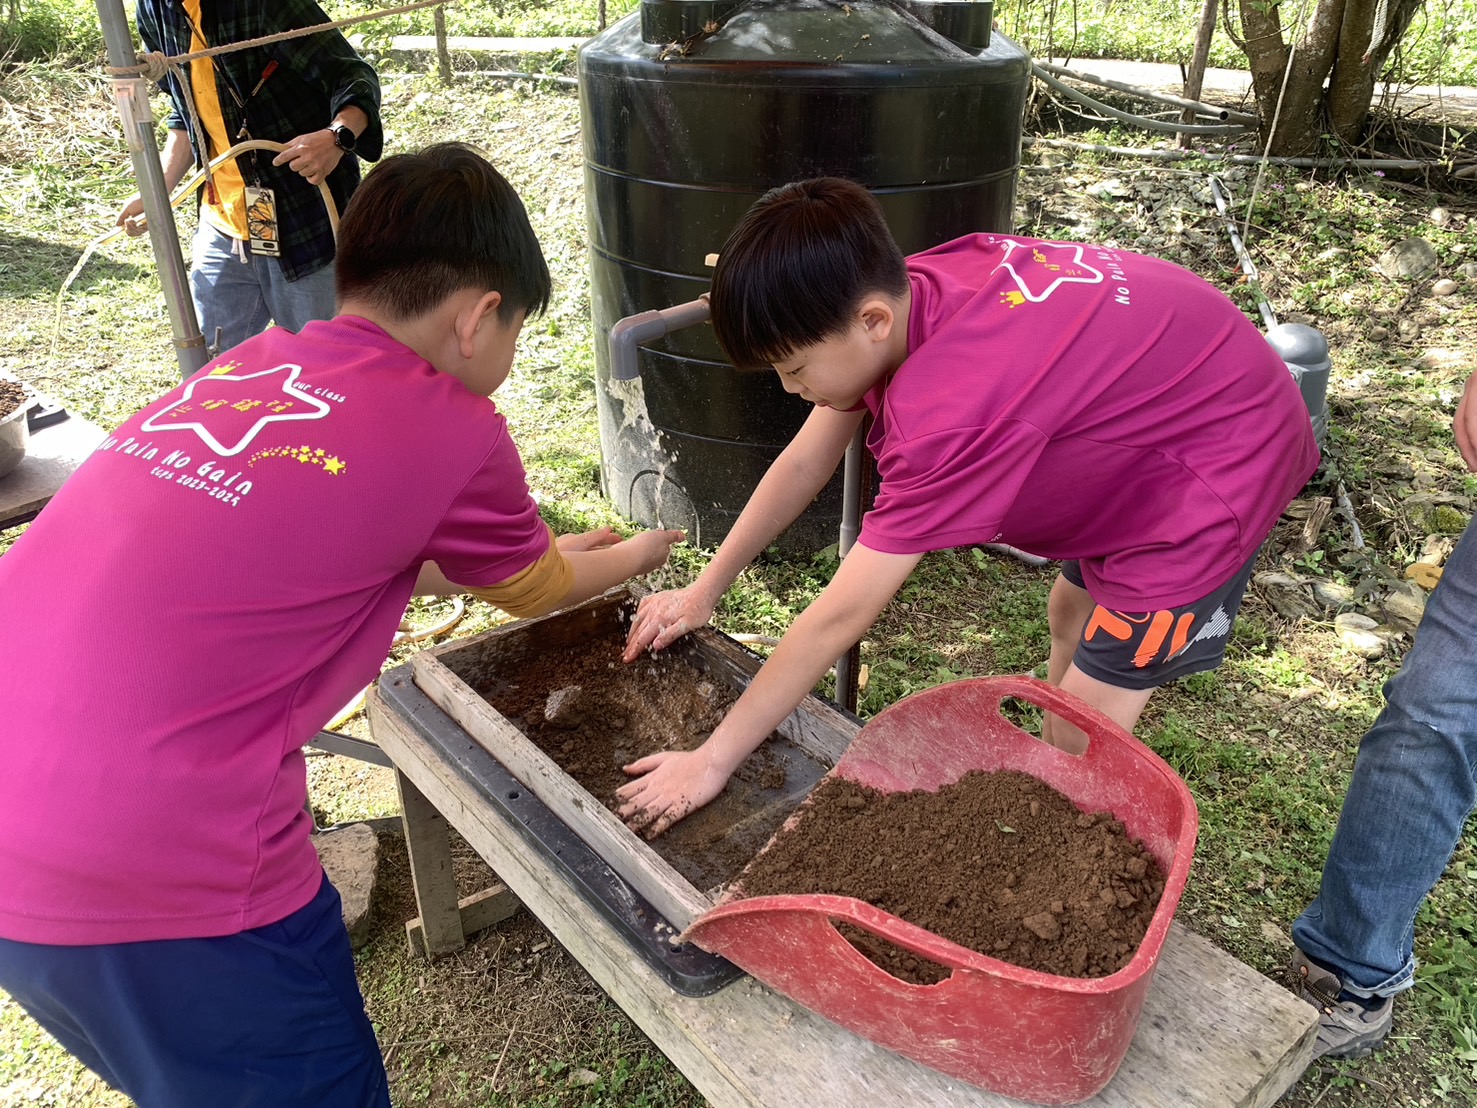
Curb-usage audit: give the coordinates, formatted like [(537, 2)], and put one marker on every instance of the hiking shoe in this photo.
[(1347, 1028)]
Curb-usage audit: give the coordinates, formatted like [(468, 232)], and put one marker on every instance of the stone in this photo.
[(1412, 257), (1367, 644), (1468, 270), (1444, 287), (562, 709), (350, 857), (1355, 621), (1331, 594), (1377, 333), (1404, 606), (582, 1077), (1440, 357), (1439, 216)]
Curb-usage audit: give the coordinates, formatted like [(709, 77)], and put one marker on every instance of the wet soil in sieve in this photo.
[(998, 862), (592, 714)]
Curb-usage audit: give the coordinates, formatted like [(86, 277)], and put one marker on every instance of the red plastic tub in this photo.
[(1030, 1035)]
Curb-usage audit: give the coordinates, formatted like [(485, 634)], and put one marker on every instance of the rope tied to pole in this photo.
[(150, 63)]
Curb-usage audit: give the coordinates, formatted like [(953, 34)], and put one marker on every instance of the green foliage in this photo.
[(63, 30)]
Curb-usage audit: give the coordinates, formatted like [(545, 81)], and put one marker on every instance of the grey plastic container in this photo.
[(1304, 351), (14, 436)]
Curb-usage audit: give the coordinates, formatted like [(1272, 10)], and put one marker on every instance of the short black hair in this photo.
[(797, 265), (428, 224)]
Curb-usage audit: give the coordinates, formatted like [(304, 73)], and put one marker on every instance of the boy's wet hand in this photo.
[(674, 784), (597, 539), (655, 547), (664, 617)]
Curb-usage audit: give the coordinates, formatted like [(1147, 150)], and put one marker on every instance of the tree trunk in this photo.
[(1335, 49), (1351, 89)]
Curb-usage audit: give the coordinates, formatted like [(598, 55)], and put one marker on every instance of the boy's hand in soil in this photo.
[(675, 783), (664, 617)]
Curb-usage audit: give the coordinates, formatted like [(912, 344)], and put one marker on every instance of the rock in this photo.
[(1404, 605), (1424, 574), (1355, 621), (1440, 358), (1331, 594), (1439, 216), (1412, 257), (1046, 926), (1377, 333), (562, 709), (1367, 644), (1468, 270), (1446, 520), (1444, 287), (582, 1077), (1407, 328), (350, 857), (1275, 935)]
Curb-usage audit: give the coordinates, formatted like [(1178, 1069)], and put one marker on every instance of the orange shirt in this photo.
[(226, 209)]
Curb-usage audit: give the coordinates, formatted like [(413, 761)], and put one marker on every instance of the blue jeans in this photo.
[(268, 1018), (237, 292), (1414, 785)]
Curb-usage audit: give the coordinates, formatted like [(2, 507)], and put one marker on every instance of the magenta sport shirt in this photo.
[(215, 581), (1083, 402)]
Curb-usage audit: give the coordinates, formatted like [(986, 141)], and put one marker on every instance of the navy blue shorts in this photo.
[(1143, 650), (268, 1018)]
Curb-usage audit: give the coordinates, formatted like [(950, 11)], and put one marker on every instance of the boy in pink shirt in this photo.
[(1086, 404), (223, 572)]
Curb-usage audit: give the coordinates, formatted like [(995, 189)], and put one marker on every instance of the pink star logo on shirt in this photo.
[(227, 410), (1039, 268)]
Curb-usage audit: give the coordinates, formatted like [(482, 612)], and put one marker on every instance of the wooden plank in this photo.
[(820, 729), (643, 868), (478, 912), (427, 841), (1213, 1033)]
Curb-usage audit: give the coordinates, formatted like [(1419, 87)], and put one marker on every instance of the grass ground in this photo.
[(1265, 743)]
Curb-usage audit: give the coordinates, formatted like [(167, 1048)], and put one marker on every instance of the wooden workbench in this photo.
[(51, 457), (1213, 1031)]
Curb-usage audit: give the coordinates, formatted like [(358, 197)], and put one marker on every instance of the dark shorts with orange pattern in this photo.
[(1143, 650)]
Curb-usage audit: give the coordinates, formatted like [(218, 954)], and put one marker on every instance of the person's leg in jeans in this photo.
[(227, 291), (268, 1018), (1414, 785), (296, 303)]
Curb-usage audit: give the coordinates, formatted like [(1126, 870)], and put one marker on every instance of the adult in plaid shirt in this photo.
[(262, 256)]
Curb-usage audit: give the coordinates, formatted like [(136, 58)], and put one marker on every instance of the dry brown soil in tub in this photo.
[(998, 862), (592, 714)]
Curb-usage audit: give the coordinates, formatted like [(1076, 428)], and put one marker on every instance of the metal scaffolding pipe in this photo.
[(132, 97)]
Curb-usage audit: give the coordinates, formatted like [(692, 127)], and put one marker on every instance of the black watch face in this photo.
[(344, 137)]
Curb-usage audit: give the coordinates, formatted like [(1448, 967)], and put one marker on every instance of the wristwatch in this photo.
[(343, 136)]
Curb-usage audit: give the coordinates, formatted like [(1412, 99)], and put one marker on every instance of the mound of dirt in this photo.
[(1000, 863)]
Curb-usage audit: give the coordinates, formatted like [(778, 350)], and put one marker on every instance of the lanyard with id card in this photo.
[(261, 222)]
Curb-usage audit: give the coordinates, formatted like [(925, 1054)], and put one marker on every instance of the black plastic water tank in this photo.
[(692, 109)]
